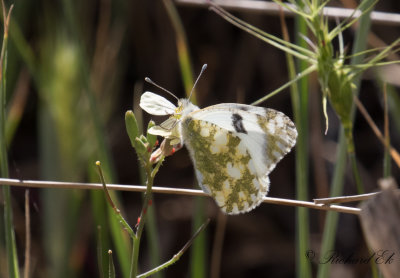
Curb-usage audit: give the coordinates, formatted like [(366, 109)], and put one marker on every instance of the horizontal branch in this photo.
[(272, 8), (345, 199), (167, 190)]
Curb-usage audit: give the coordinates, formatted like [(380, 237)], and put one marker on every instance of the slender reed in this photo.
[(12, 258)]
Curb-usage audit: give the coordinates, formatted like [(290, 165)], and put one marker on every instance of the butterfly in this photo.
[(233, 147)]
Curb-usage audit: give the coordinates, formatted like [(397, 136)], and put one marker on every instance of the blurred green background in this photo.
[(75, 67)]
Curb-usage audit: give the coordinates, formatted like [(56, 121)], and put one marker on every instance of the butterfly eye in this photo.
[(179, 109)]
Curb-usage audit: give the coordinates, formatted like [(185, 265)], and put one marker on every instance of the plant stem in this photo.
[(353, 160), (331, 220), (300, 103), (177, 256), (150, 173), (330, 225), (13, 269), (118, 214)]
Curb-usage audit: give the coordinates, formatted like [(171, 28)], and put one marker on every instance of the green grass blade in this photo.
[(300, 102), (331, 220), (120, 240), (198, 263), (59, 88), (295, 79), (198, 253), (151, 223), (293, 49), (111, 267), (13, 269), (152, 240), (99, 210), (102, 151), (182, 49), (12, 258), (60, 207)]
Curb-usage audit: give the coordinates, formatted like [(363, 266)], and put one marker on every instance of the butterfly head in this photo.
[(159, 106), (185, 107)]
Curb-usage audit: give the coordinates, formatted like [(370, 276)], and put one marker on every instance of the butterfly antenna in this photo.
[(203, 68), (158, 86)]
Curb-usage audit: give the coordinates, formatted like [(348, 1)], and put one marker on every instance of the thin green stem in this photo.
[(24, 49), (300, 95), (298, 52), (141, 222), (134, 258), (198, 254), (13, 268), (353, 160), (150, 173), (100, 145), (111, 267), (356, 173), (178, 255), (118, 214), (331, 220), (299, 76), (365, 7)]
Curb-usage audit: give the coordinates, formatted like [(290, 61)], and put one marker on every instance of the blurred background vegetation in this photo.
[(75, 67)]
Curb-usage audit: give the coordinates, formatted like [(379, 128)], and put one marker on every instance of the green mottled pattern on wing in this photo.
[(223, 166)]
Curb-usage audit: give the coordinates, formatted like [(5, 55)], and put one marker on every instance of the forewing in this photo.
[(224, 167), (238, 106), (267, 134), (156, 105)]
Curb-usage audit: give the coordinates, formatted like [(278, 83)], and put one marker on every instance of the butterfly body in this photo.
[(233, 146)]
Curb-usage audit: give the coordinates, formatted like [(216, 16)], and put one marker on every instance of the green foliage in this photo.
[(12, 258), (143, 149), (111, 267), (131, 127), (151, 139)]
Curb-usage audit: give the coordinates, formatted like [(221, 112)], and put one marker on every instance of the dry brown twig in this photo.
[(393, 152), (167, 190), (383, 183), (345, 199)]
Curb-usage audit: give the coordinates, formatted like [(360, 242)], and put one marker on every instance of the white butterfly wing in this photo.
[(245, 107), (156, 105), (167, 129), (234, 147), (267, 134)]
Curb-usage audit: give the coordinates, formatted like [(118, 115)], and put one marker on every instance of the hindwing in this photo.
[(234, 147)]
